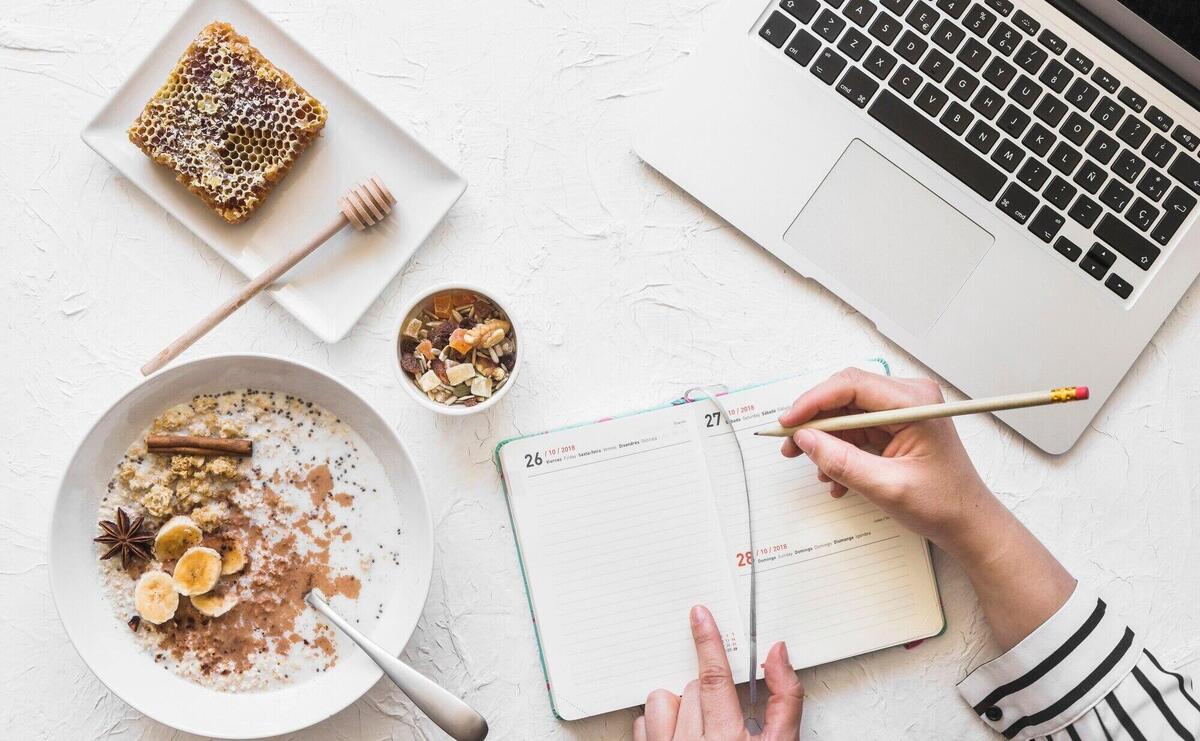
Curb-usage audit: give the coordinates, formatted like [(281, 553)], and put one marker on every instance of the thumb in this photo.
[(846, 464)]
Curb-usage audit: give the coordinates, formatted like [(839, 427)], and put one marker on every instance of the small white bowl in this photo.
[(454, 410), (107, 646)]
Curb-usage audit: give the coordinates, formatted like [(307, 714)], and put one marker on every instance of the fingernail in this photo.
[(784, 654), (699, 616), (805, 440)]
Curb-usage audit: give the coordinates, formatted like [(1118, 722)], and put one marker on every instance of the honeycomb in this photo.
[(228, 122)]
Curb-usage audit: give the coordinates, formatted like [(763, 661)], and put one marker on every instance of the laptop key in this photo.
[(1154, 185), (829, 25), (1142, 214), (1034, 174), (988, 103), (879, 62), (1186, 170), (953, 8), (1085, 211), (1051, 41), (937, 65), (1133, 132), (983, 137), (1039, 139), (1031, 57), (1000, 73), (911, 47), (1159, 119), (1103, 147), (1132, 99), (949, 35), (932, 99), (950, 154), (1068, 249), (777, 29), (1025, 91), (905, 81), (1008, 155), (957, 119), (1116, 196), (1122, 238), (803, 47), (1013, 121), (1107, 113), (802, 10), (1004, 39), (885, 28), (979, 20), (1077, 129), (962, 84), (1159, 150), (1018, 203), (1175, 211), (896, 6), (1082, 95), (1128, 166), (1056, 76), (1065, 159), (828, 66), (1097, 261), (1026, 23), (1078, 61), (1003, 7), (854, 44), (1106, 80), (922, 17), (1185, 138), (857, 87), (859, 12), (1060, 192), (1051, 110), (1090, 177), (975, 55), (1047, 224), (1118, 285)]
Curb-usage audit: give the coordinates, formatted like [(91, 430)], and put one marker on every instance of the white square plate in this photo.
[(331, 289)]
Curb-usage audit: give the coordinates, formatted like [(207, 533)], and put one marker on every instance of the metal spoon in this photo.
[(451, 714)]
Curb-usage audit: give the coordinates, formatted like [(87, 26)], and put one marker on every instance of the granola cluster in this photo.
[(458, 348)]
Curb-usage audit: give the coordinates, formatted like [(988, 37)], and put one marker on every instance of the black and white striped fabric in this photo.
[(1083, 675)]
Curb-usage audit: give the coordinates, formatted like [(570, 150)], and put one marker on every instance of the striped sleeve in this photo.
[(1057, 674)]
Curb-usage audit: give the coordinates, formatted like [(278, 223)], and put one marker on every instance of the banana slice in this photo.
[(213, 604), (155, 597), (233, 559), (197, 571), (176, 536)]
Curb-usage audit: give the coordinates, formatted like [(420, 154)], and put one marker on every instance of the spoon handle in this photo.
[(451, 714)]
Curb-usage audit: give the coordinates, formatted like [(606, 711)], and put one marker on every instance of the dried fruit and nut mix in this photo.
[(458, 347)]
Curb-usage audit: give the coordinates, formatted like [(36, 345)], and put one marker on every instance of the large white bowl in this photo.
[(108, 647)]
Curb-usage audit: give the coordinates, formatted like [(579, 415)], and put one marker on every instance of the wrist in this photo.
[(981, 530)]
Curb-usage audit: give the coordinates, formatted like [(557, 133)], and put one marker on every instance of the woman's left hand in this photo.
[(709, 708)]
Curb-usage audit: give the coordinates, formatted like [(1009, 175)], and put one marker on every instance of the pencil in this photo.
[(908, 415)]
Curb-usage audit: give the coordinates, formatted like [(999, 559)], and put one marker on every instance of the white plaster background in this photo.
[(628, 292)]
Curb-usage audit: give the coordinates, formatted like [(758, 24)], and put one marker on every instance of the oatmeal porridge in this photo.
[(222, 515)]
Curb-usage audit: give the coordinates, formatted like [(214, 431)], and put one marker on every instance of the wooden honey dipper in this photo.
[(364, 206)]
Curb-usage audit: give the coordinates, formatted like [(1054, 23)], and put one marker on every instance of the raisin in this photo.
[(409, 363), (484, 310), (467, 322), (439, 367), (470, 402), (441, 333), (508, 361)]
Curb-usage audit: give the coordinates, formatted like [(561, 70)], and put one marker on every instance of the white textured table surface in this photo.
[(628, 292)]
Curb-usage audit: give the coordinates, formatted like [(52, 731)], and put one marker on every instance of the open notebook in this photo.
[(623, 525)]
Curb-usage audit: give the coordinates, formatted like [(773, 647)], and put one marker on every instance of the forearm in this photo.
[(1020, 584)]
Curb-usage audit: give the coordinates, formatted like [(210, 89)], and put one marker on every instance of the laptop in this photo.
[(1006, 188)]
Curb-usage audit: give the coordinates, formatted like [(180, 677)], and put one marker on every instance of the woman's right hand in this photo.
[(922, 475)]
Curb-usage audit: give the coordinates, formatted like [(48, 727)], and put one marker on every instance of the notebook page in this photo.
[(619, 538), (836, 577)]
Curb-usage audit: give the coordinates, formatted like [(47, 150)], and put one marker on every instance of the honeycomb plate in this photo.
[(332, 288)]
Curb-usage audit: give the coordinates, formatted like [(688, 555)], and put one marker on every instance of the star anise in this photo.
[(127, 536)]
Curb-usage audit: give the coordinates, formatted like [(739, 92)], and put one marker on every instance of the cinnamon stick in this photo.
[(195, 445)]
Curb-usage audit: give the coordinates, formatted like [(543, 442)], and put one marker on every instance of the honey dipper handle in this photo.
[(261, 281)]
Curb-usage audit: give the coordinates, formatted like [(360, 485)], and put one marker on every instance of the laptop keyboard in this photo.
[(1013, 112)]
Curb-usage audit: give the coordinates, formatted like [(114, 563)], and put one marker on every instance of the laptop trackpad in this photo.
[(888, 238)]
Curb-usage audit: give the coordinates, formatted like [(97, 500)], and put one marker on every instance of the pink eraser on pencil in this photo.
[(1081, 392)]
